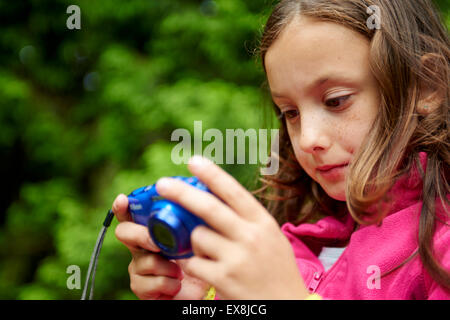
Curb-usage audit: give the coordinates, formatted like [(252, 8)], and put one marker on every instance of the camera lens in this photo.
[(163, 236)]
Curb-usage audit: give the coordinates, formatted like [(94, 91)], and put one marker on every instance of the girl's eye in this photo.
[(336, 102), (289, 114)]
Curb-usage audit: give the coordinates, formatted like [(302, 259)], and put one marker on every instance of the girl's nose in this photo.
[(314, 135)]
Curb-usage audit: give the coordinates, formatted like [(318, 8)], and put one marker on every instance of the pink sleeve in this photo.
[(303, 254)]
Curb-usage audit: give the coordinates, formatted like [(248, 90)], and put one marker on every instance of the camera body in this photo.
[(169, 224)]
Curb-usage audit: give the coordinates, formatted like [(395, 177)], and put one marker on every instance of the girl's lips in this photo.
[(332, 172), (329, 167)]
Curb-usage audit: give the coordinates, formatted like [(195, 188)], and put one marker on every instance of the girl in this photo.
[(362, 192)]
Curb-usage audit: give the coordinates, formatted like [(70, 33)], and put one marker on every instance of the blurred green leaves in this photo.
[(88, 114)]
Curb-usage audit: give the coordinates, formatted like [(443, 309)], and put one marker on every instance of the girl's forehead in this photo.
[(309, 50)]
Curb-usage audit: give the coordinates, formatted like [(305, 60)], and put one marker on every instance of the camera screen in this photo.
[(163, 236)]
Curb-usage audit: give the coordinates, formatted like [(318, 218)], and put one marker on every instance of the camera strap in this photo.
[(94, 257)]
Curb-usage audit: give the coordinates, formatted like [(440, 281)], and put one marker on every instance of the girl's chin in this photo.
[(338, 197), (336, 193)]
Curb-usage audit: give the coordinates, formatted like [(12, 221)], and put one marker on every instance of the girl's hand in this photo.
[(151, 275), (245, 255)]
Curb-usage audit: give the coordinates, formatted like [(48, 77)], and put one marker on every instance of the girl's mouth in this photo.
[(332, 172)]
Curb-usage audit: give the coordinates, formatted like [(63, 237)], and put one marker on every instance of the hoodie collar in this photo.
[(405, 192)]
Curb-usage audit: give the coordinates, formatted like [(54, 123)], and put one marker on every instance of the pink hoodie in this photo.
[(374, 250)]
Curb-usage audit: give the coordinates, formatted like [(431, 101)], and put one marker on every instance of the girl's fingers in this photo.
[(206, 206), (120, 208), (226, 187), (207, 270), (152, 287), (135, 237), (154, 264), (207, 243)]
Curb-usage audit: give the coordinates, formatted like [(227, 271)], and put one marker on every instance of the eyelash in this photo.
[(344, 98), (286, 114)]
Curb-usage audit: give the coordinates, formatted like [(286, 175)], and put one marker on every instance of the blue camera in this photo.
[(169, 224)]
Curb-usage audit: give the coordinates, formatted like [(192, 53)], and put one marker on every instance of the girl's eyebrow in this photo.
[(333, 78), (318, 83)]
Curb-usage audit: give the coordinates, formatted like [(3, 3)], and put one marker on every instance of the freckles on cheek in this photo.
[(305, 160), (356, 135)]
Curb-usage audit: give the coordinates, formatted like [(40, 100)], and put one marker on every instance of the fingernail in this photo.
[(197, 162), (163, 184), (116, 201)]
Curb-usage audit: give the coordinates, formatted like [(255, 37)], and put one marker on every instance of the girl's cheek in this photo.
[(356, 134), (301, 156), (303, 160)]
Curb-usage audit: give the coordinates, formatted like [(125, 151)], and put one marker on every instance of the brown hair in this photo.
[(409, 31)]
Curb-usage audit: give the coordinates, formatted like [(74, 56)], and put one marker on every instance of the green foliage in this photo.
[(88, 114)]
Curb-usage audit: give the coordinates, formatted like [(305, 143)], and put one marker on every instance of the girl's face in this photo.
[(320, 78)]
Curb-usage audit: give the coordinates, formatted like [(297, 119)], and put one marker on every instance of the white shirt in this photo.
[(328, 256)]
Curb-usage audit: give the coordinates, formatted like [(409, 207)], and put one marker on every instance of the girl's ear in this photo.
[(432, 94)]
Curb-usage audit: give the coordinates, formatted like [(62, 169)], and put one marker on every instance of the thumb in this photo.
[(120, 208)]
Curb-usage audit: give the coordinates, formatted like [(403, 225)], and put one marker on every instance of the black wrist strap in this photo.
[(95, 255)]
